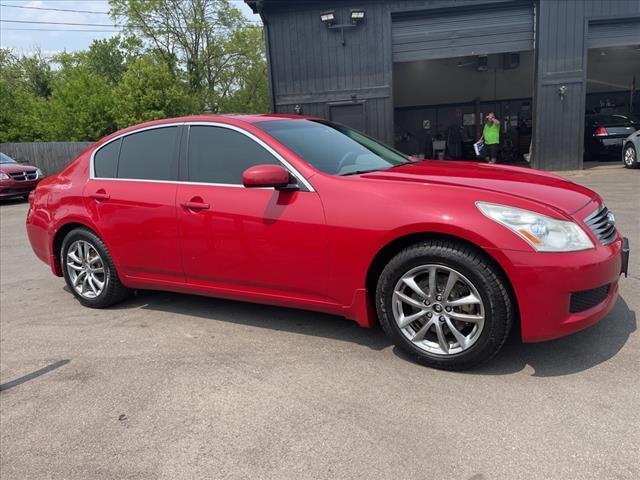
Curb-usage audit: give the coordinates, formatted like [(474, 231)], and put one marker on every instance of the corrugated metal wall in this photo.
[(377, 113), (613, 34), (562, 28), (480, 30), (311, 68)]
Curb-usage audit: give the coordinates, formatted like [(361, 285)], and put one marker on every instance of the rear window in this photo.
[(610, 119), (148, 155), (105, 161)]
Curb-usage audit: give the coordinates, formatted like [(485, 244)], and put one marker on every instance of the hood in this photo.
[(525, 183), (15, 168)]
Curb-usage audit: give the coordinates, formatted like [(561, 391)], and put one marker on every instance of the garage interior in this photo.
[(613, 76), (451, 67), (441, 100), (439, 105)]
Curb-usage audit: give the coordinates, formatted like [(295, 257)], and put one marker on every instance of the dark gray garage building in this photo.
[(413, 72)]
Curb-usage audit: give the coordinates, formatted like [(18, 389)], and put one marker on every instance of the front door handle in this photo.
[(100, 195), (195, 205)]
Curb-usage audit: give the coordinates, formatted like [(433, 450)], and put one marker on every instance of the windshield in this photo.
[(332, 148), (6, 159)]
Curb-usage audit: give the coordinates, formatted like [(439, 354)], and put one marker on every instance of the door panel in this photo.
[(138, 221), (254, 239), (131, 197)]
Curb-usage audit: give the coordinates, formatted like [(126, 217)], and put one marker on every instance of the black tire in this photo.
[(113, 291), (488, 281), (634, 163)]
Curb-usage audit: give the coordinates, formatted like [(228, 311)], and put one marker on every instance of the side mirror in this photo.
[(269, 176)]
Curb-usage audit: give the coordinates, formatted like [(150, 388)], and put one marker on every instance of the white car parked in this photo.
[(630, 150)]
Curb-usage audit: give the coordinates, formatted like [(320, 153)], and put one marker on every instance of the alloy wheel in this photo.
[(438, 309), (629, 156), (86, 269)]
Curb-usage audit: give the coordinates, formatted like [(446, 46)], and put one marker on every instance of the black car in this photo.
[(605, 134)]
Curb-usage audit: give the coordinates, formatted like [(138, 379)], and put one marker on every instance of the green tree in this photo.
[(210, 41), (186, 30), (37, 74), (82, 102), (242, 85), (106, 58), (177, 57), (150, 91), (25, 82)]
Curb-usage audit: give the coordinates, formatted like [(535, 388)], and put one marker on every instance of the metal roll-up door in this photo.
[(458, 32), (616, 33)]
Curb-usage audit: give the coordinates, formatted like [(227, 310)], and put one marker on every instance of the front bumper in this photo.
[(545, 283), (12, 188)]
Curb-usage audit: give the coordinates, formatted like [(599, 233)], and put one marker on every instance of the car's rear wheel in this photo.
[(630, 156), (89, 270), (444, 304)]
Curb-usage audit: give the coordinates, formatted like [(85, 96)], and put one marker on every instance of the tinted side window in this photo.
[(220, 155), (105, 161), (148, 155)]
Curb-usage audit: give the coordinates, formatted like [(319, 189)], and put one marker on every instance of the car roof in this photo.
[(227, 118), (230, 118), (264, 117)]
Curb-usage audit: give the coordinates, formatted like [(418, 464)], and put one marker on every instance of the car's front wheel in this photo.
[(89, 270), (630, 156), (444, 304)]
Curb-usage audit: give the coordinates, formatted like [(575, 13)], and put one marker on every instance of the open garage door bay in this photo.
[(452, 32)]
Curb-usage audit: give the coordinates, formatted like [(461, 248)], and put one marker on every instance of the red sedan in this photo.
[(16, 179), (301, 212)]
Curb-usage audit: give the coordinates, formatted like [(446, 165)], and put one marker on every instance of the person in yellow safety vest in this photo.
[(491, 137)]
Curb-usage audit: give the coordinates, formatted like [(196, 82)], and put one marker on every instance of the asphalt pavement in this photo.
[(168, 386)]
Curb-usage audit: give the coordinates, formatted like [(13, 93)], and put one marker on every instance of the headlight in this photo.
[(39, 173), (545, 234), (4, 176)]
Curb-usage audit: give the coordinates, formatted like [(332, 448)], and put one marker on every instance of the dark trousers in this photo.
[(492, 151)]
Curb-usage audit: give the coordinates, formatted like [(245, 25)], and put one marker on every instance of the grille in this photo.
[(602, 224), (586, 299), (24, 176)]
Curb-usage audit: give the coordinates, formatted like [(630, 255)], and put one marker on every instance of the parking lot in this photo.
[(174, 386)]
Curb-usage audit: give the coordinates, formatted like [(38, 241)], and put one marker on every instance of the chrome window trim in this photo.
[(292, 170)]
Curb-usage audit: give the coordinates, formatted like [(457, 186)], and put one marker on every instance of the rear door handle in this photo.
[(195, 205), (100, 195)]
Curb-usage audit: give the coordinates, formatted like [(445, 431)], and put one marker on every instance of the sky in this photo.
[(27, 37)]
